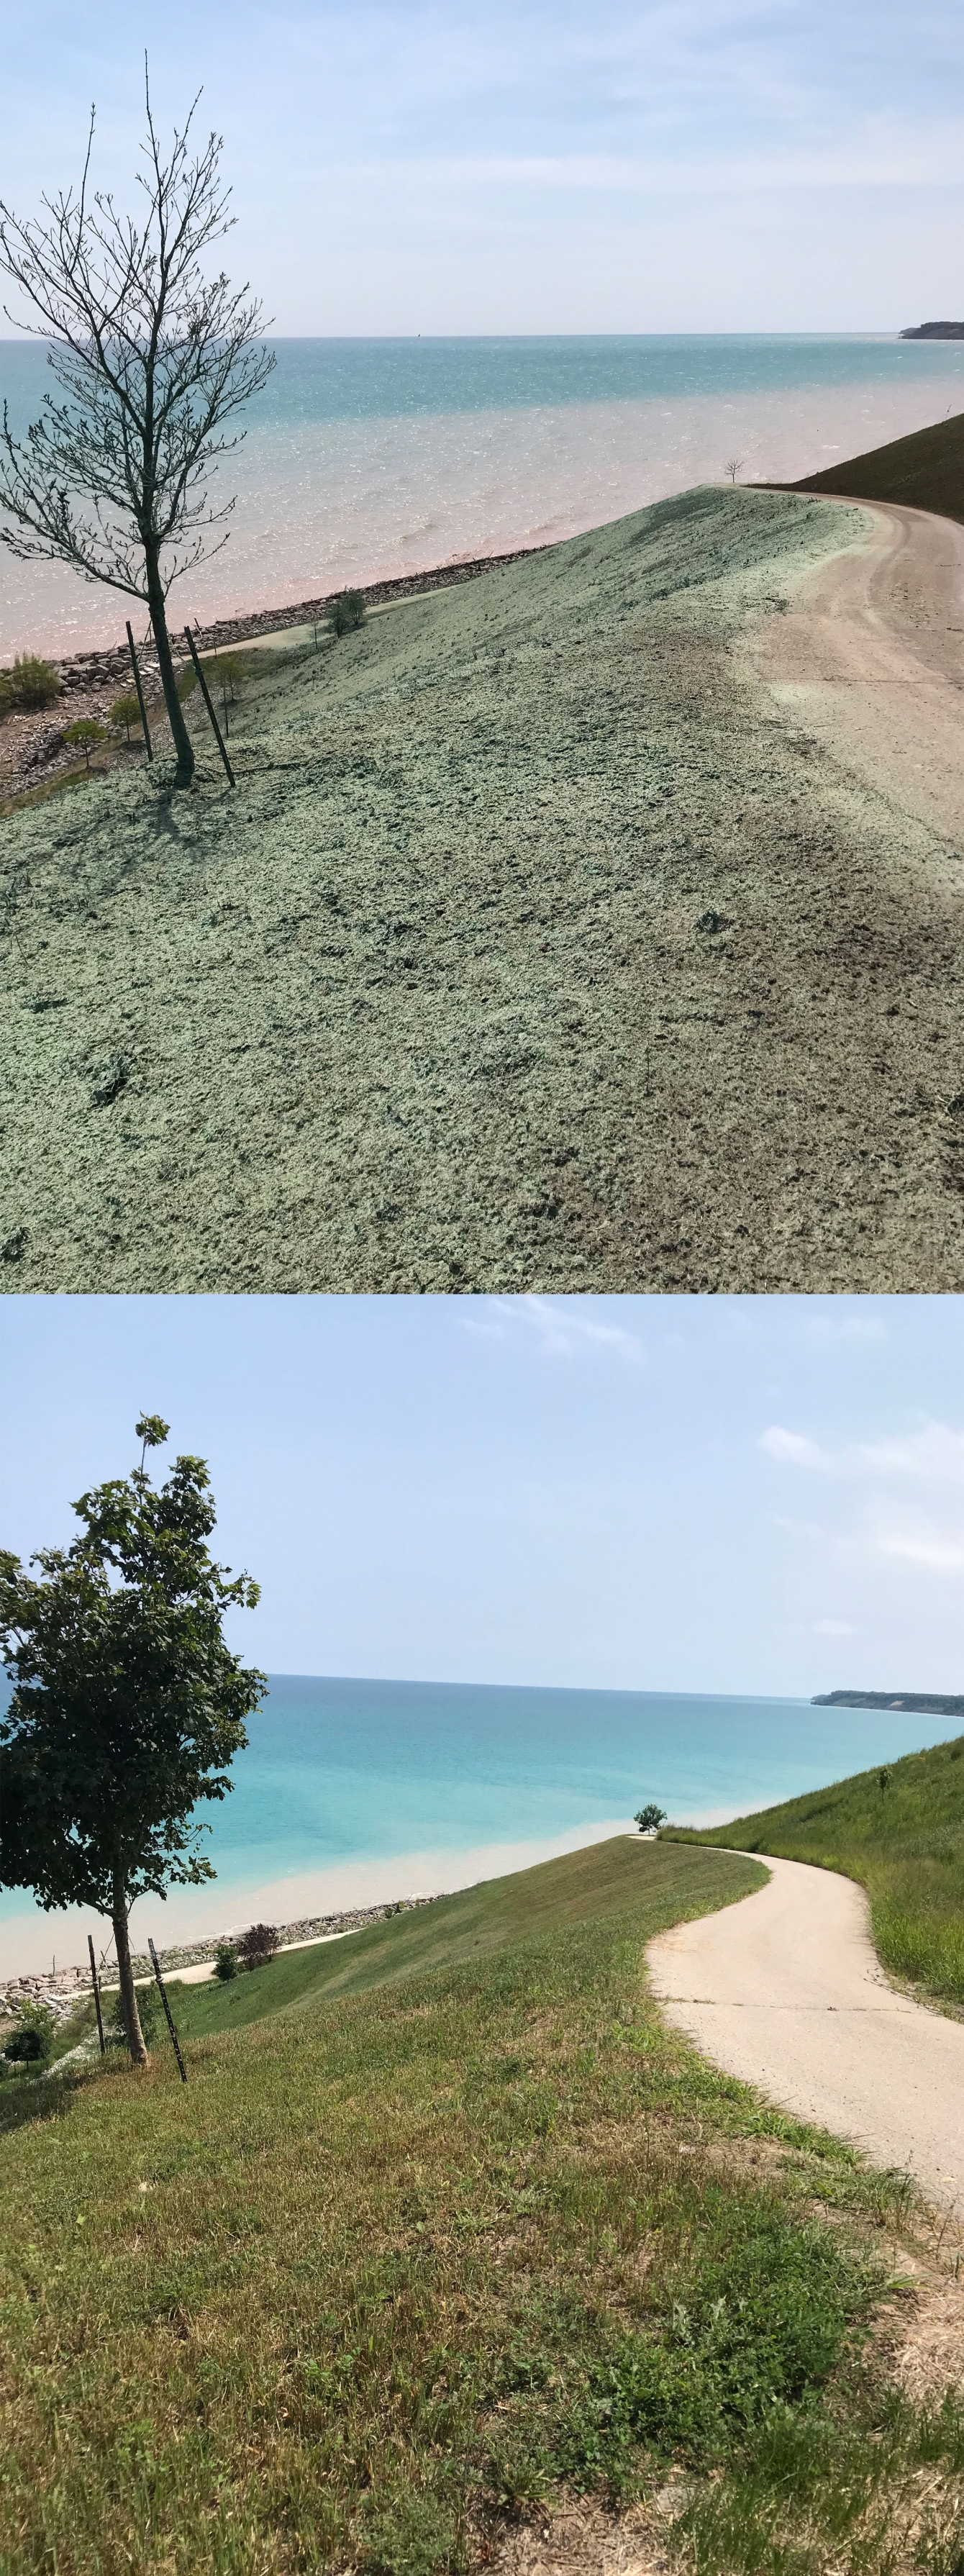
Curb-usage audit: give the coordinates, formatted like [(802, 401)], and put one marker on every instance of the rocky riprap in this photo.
[(32, 748), (64, 1988)]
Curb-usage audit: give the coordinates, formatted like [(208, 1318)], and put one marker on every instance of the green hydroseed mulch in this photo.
[(536, 949)]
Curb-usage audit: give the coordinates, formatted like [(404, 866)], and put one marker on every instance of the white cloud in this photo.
[(793, 1447), (561, 1327), (936, 1452), (833, 1628), (919, 1543)]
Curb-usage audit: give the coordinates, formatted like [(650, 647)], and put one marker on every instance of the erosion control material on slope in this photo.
[(539, 948)]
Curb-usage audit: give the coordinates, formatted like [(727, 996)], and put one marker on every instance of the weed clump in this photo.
[(31, 683), (30, 2044)]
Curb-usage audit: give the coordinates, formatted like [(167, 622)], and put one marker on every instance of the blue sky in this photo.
[(673, 164), (747, 1494)]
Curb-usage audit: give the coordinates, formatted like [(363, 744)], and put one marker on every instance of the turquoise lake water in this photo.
[(369, 458), (343, 1770), (346, 1774)]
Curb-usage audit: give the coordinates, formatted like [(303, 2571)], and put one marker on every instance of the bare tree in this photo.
[(152, 358), (733, 468)]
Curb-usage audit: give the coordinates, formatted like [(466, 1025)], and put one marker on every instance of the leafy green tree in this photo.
[(86, 733), (152, 355), (127, 1705), (126, 711), (649, 1819)]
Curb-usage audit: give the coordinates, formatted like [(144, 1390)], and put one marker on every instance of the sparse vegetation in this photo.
[(30, 684), (899, 1830)]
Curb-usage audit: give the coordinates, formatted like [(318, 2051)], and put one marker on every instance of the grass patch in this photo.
[(446, 2224), (905, 1845), (925, 470)]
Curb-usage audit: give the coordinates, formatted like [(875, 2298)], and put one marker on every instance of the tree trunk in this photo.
[(175, 712), (135, 2035)]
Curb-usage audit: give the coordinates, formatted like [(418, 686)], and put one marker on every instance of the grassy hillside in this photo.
[(905, 1844), (537, 949), (450, 2227), (926, 470)]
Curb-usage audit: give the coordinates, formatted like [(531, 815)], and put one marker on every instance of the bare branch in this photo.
[(152, 359)]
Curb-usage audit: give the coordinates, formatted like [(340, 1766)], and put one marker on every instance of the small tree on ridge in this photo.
[(151, 357), (127, 1703)]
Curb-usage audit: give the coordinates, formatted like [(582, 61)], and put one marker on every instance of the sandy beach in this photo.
[(30, 1941)]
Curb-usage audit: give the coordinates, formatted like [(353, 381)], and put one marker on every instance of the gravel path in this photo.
[(871, 656), (785, 1991)]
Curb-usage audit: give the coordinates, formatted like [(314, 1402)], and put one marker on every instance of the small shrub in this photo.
[(346, 612), (259, 1945), (230, 670), (225, 1962), (126, 711), (31, 2043), (85, 733), (31, 683), (650, 1818)]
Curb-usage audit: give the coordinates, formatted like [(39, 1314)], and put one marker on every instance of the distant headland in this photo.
[(920, 1703), (934, 331)]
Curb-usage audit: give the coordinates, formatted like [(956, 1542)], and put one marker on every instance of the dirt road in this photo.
[(871, 654), (785, 1991)]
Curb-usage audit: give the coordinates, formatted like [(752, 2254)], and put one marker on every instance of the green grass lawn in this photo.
[(905, 1844), (926, 470), (445, 2226)]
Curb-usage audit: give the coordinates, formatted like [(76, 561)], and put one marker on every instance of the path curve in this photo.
[(784, 1989), (869, 656)]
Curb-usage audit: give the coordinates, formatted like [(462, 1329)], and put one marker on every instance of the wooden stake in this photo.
[(93, 1969), (215, 725), (160, 1980), (140, 692)]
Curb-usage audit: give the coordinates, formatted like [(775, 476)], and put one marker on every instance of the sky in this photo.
[(441, 166), (723, 1494)]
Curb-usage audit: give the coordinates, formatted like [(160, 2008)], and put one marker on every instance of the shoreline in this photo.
[(364, 1888), (89, 679), (63, 1990), (100, 663)]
